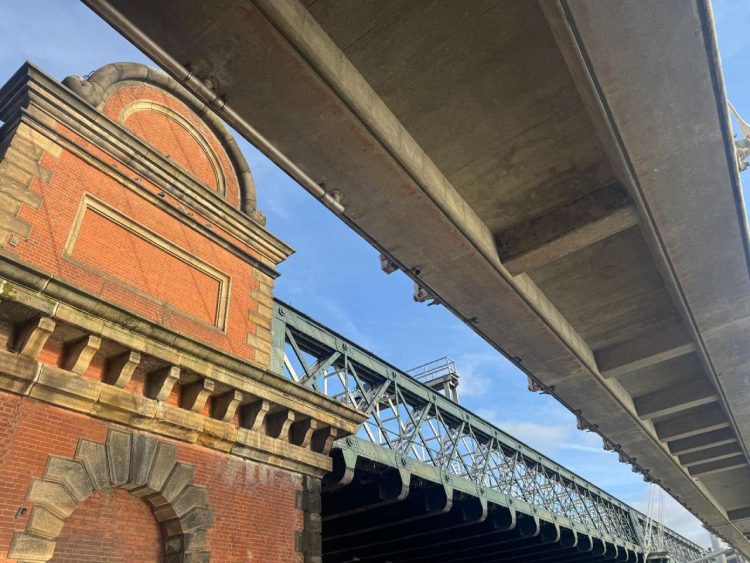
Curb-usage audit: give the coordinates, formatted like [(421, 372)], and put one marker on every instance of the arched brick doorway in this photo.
[(126, 465), (89, 535)]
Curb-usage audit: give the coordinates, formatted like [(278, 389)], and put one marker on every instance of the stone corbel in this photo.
[(253, 415), (279, 424), (119, 369), (224, 406), (195, 395), (160, 382), (302, 432), (322, 440), (78, 354), (33, 336)]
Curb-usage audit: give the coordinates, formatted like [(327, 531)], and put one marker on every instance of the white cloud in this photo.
[(677, 518), (542, 437), (479, 373)]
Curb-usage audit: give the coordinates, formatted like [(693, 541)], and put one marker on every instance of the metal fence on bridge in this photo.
[(415, 425)]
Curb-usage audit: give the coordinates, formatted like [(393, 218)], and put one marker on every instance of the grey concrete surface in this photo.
[(453, 131)]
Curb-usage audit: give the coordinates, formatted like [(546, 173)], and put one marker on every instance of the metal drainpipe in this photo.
[(714, 556), (213, 101)]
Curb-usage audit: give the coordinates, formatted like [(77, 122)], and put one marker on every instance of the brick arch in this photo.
[(210, 155), (145, 467), (96, 87)]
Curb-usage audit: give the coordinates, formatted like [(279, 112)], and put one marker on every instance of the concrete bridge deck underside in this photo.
[(560, 174)]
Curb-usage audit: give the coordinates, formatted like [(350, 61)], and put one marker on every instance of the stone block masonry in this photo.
[(139, 416)]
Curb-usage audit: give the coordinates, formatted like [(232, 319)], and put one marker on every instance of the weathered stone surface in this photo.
[(192, 496), (28, 547), (17, 372), (94, 458), (39, 140), (53, 496), (196, 519), (44, 523), (161, 468), (120, 369), (118, 456), (72, 474), (142, 452), (160, 382), (33, 336), (195, 395), (224, 406), (124, 407), (78, 355), (177, 423), (56, 386), (218, 435), (181, 476)]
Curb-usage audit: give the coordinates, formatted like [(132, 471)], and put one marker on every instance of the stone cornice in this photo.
[(207, 371), (33, 95)]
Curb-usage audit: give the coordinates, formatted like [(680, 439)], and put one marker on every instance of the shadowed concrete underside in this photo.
[(560, 174)]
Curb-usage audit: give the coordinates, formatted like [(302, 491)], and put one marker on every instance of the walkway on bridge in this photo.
[(427, 480)]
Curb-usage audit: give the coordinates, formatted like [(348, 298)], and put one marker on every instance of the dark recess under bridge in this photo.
[(427, 480)]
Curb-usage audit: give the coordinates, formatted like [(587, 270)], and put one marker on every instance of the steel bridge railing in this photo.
[(419, 425)]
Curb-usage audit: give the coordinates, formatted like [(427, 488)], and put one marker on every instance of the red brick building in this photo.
[(139, 417)]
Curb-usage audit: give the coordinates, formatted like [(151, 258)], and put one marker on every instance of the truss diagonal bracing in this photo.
[(420, 432)]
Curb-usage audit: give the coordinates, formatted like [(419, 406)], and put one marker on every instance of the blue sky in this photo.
[(335, 276)]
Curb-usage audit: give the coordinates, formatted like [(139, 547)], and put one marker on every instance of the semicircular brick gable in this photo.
[(170, 127)]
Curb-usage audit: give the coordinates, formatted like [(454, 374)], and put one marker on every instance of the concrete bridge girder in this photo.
[(541, 196)]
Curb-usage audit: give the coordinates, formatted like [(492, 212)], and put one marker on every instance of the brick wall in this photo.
[(158, 235), (177, 140), (89, 536), (174, 269), (255, 514)]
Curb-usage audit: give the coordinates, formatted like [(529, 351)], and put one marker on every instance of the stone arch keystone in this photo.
[(144, 466)]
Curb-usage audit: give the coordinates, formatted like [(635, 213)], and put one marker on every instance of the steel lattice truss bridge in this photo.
[(425, 479)]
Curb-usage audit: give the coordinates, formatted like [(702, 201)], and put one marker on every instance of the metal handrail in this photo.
[(419, 423)]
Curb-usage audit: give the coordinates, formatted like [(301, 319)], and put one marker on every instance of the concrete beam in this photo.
[(694, 422), (739, 514), (644, 351), (710, 454), (718, 466), (702, 441), (564, 230), (675, 399)]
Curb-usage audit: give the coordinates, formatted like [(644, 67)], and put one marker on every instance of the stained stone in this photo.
[(161, 467), (53, 496), (72, 474), (94, 458), (118, 456), (192, 496), (44, 523), (27, 547), (142, 452), (196, 519), (181, 477)]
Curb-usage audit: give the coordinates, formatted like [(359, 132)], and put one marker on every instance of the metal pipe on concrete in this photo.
[(714, 555), (215, 102)]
